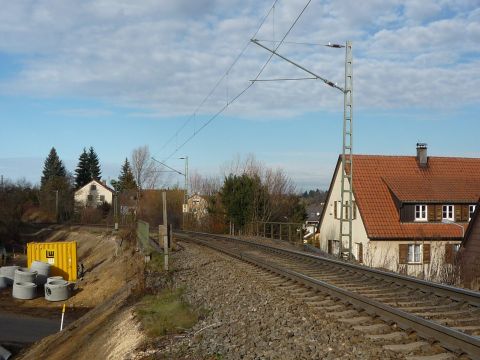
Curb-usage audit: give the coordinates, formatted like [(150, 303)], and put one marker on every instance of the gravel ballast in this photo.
[(251, 314)]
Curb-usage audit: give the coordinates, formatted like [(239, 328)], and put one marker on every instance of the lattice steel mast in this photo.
[(347, 158), (346, 208)]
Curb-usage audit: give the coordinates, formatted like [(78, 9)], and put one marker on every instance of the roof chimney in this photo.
[(422, 157)]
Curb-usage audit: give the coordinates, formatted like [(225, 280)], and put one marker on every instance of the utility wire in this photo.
[(191, 117), (222, 109)]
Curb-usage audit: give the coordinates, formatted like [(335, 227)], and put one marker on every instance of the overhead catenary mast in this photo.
[(346, 207)]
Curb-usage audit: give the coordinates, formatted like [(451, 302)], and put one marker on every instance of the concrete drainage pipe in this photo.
[(4, 353), (43, 271), (24, 290), (55, 278), (25, 275), (57, 290), (3, 282), (9, 273)]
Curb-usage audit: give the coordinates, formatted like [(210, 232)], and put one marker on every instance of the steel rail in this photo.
[(452, 292), (450, 338)]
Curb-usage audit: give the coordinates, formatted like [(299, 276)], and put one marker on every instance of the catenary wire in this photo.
[(192, 116), (224, 107)]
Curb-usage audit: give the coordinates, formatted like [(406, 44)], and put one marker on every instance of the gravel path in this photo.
[(252, 314)]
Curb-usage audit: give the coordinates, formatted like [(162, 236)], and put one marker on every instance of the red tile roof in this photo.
[(444, 180)]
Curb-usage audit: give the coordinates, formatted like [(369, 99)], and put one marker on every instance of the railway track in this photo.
[(436, 313)]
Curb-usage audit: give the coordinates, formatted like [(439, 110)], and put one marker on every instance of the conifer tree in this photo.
[(82, 173), (126, 180), (52, 168), (94, 164)]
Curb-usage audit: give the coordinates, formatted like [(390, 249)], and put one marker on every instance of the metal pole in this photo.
[(115, 209), (185, 200), (56, 205), (165, 236)]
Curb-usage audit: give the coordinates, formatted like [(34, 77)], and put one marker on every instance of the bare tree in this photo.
[(204, 185), (144, 169)]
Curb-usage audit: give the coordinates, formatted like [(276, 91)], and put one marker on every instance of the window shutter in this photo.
[(465, 212), (335, 215), (449, 254), (403, 253), (438, 212), (426, 253), (360, 253), (354, 205), (458, 212), (431, 212), (329, 250)]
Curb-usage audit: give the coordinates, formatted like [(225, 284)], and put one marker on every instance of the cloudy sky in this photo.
[(118, 74)]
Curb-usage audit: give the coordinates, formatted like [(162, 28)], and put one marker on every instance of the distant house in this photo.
[(409, 212), (128, 202), (313, 219), (198, 206), (93, 194), (469, 255)]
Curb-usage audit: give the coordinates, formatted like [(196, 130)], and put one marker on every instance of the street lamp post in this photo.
[(186, 177), (185, 174), (185, 200)]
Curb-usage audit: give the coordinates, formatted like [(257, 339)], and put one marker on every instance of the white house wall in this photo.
[(330, 227), (385, 254), (81, 195)]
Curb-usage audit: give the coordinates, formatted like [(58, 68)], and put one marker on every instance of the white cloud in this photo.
[(164, 56)]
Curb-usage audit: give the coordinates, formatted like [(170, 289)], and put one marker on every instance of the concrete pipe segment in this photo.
[(4, 353), (43, 271), (9, 273), (55, 278), (57, 290), (25, 275), (24, 290)]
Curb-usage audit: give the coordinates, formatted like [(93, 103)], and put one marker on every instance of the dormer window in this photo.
[(447, 212), (471, 210), (420, 212)]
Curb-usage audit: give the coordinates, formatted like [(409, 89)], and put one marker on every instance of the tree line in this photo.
[(248, 192)]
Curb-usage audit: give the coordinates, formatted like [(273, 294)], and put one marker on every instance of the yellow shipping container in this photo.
[(61, 255)]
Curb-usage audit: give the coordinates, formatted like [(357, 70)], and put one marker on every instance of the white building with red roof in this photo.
[(93, 194), (409, 211)]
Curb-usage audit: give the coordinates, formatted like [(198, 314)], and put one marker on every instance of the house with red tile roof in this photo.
[(408, 210), (469, 255)]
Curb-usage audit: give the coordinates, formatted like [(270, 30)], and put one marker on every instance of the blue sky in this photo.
[(117, 75)]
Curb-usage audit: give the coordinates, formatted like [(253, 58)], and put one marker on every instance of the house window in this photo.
[(447, 212), (420, 212), (90, 197), (456, 248), (338, 208), (471, 210), (93, 187), (414, 253), (102, 198)]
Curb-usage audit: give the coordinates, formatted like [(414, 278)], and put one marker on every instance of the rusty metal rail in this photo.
[(450, 338)]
